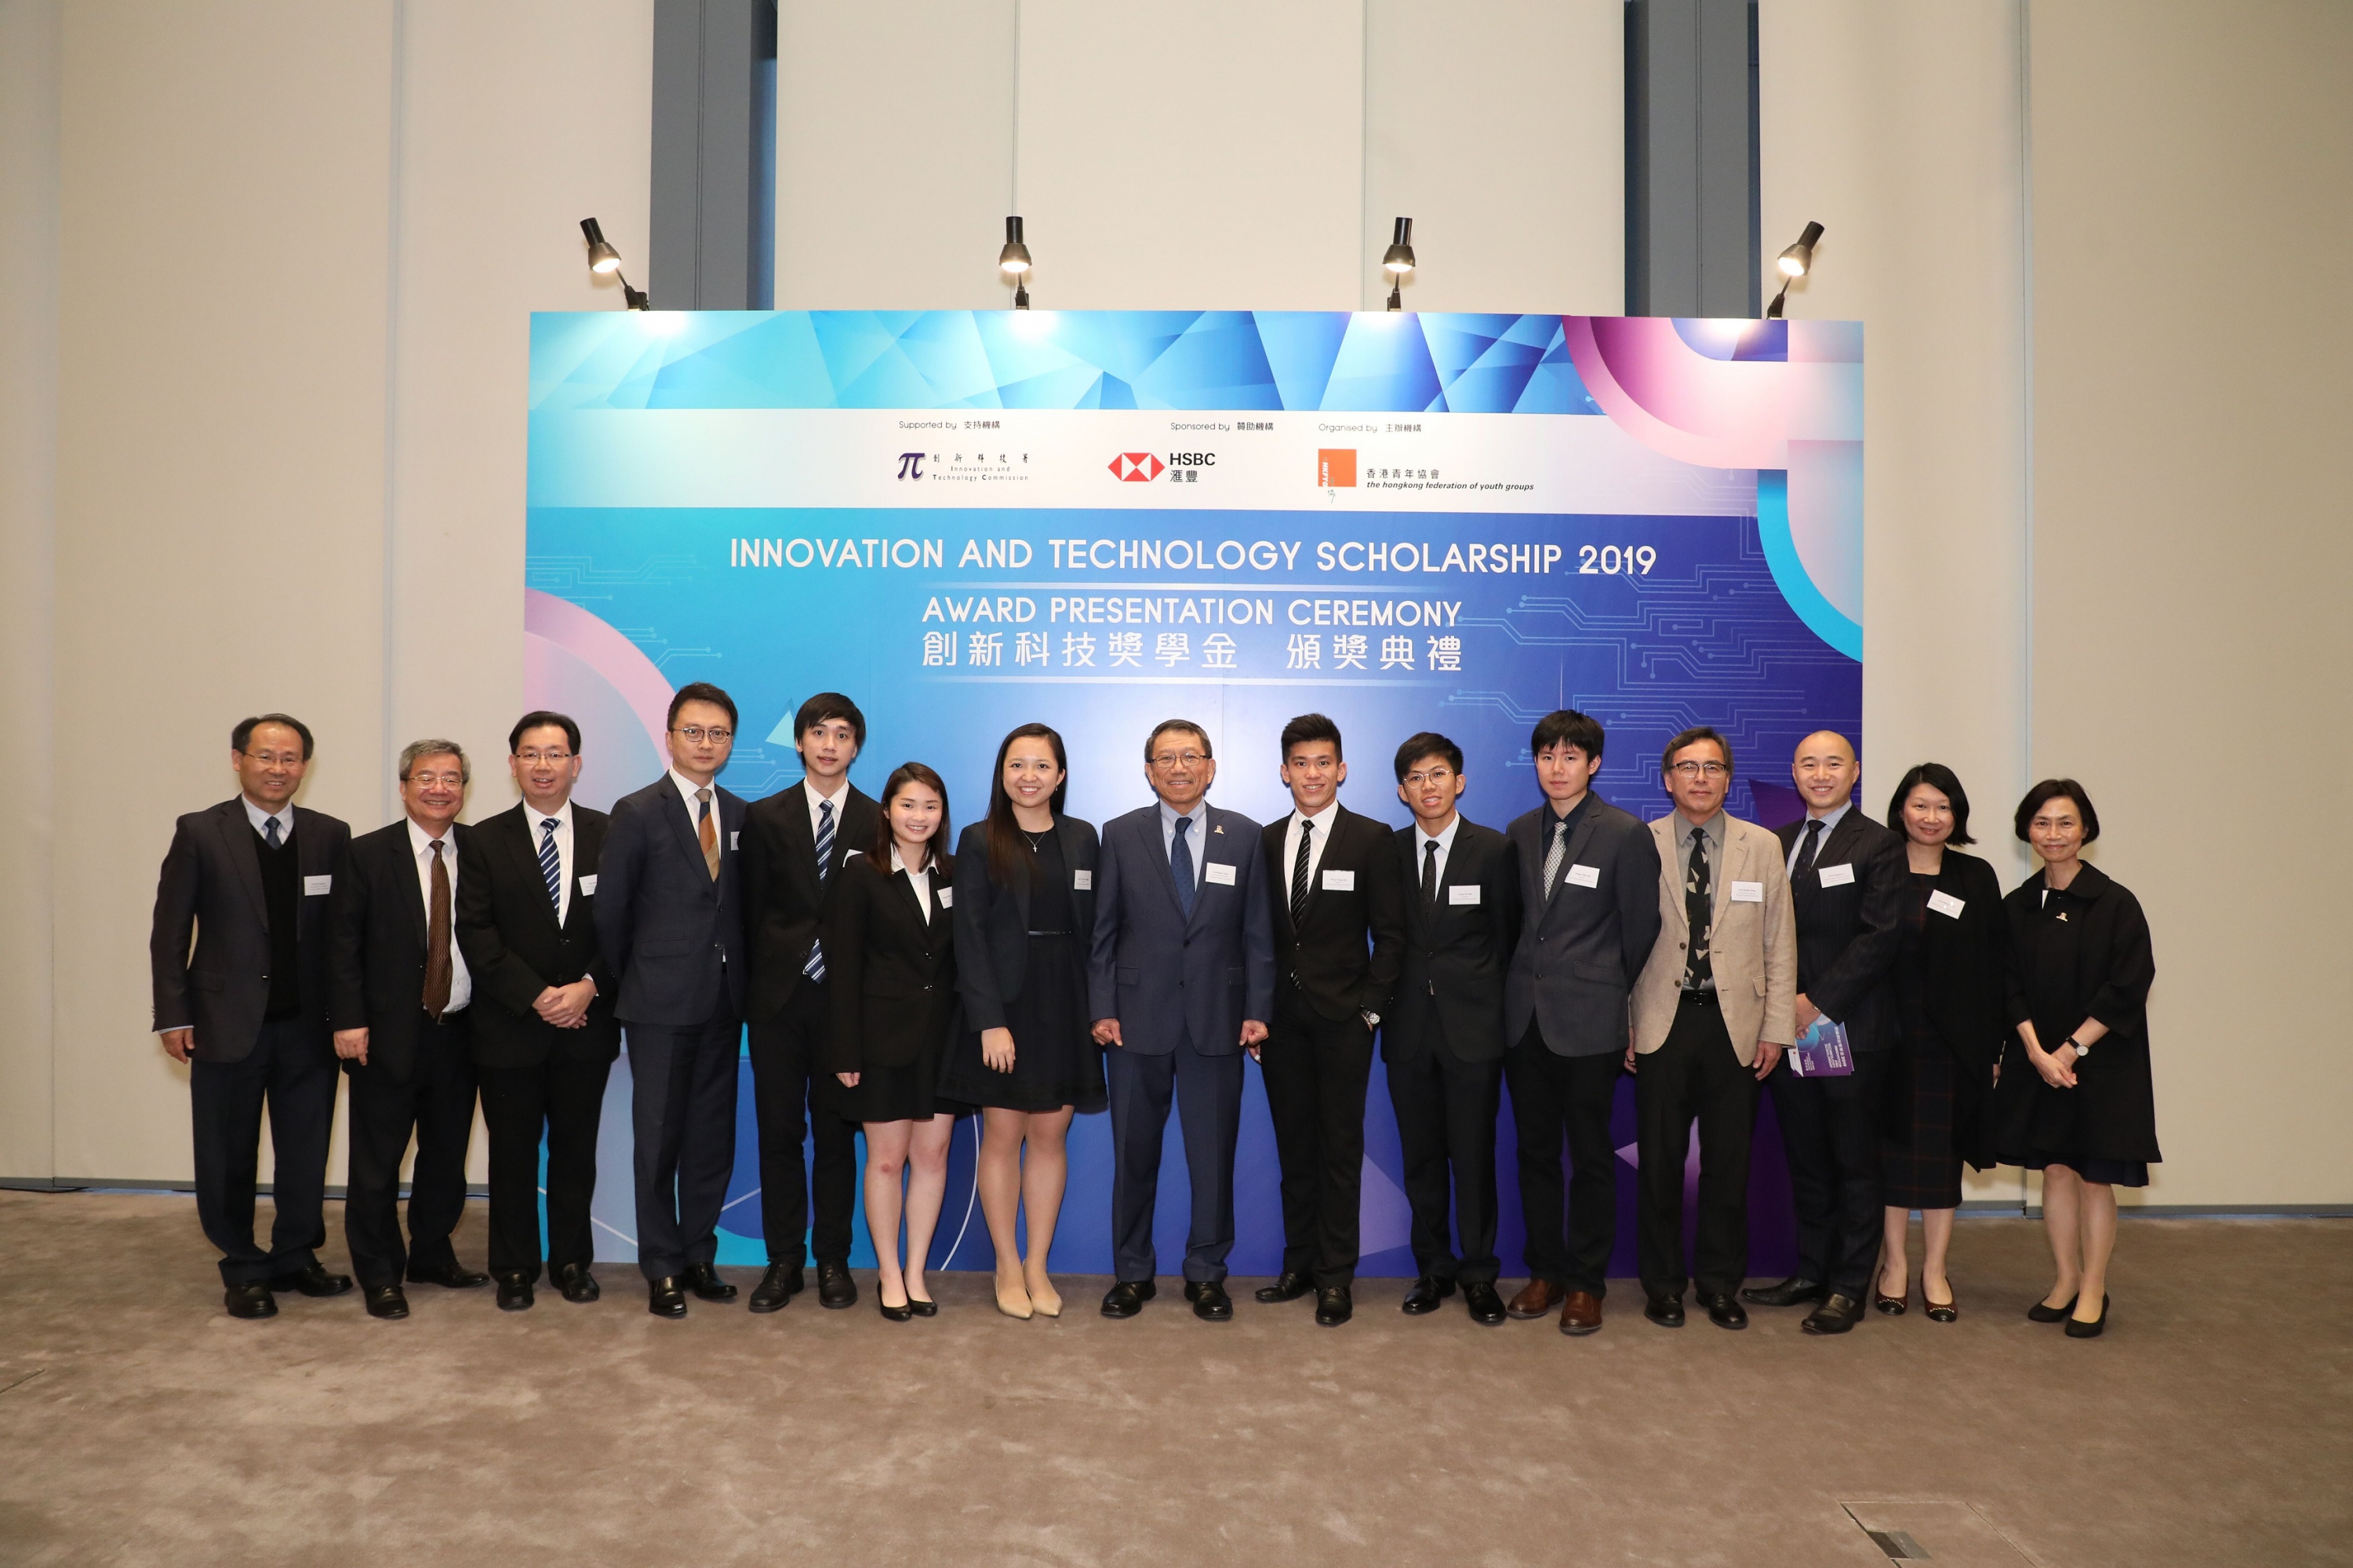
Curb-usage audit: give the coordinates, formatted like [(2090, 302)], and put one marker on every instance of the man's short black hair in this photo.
[(540, 718), (1164, 726), (829, 705), (1429, 743), (243, 733), (1566, 727), (2049, 791), (1309, 727), (1692, 736), (702, 691)]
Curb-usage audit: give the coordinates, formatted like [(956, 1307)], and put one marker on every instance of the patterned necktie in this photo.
[(437, 975), (1554, 856), (1180, 866), (551, 865), (707, 830), (1810, 848), (1429, 874), (814, 967), (270, 832), (1699, 912), (1299, 873)]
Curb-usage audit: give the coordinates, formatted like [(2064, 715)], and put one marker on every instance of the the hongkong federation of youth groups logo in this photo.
[(1136, 468)]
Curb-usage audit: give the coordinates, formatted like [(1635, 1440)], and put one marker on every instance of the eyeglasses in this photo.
[(1171, 758), (1700, 769), (534, 757), (696, 735), (1435, 775)]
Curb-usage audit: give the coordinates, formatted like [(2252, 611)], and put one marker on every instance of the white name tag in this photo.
[(312, 886), (1836, 876), (1585, 877), (946, 896), (1223, 875), (1460, 895), (1082, 882), (1748, 892), (1944, 903), (588, 886), (732, 837), (1339, 882)]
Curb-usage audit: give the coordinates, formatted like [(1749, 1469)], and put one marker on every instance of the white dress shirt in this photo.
[(420, 843), (921, 879), (836, 800), (686, 789), (564, 883), (1830, 822), (1421, 842), (1192, 835), (262, 819), (1323, 835)]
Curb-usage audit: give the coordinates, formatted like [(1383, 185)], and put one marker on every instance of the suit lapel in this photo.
[(522, 843), (908, 900), (412, 894), (1577, 843), (235, 829), (681, 823), (1151, 829)]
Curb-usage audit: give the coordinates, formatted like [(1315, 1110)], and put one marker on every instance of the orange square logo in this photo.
[(1335, 468)]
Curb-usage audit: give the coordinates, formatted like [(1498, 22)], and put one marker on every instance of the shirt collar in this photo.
[(1199, 815), (260, 819), (1576, 813), (1713, 827), (1445, 840), (1315, 817), (420, 841), (1829, 819), (535, 816), (815, 795), (686, 787)]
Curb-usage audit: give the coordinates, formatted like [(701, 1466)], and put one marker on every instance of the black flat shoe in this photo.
[(312, 1281), (388, 1302), (1939, 1311), (1666, 1311), (250, 1299), (1127, 1297), (1837, 1315), (514, 1292), (2039, 1313), (1286, 1287), (2078, 1329), (1724, 1312), (779, 1284), (1425, 1296), (835, 1288), (578, 1284), (899, 1314), (666, 1298), (1795, 1291), (704, 1281), (1485, 1302), (451, 1275), (1334, 1305), (923, 1307), (1210, 1302), (1894, 1306)]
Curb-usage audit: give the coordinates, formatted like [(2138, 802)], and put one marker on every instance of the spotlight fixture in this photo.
[(1014, 262), (603, 259), (1795, 263), (1397, 261)]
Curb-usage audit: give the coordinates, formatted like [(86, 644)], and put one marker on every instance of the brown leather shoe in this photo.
[(1581, 1313), (1536, 1299)]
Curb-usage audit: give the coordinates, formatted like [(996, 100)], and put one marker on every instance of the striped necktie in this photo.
[(814, 968), (551, 865)]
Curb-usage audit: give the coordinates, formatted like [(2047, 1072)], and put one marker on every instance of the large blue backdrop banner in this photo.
[(967, 521)]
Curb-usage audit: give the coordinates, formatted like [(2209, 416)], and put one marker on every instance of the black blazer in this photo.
[(1456, 953), (891, 972), (784, 904), (1966, 957), (514, 948), (672, 936), (210, 888), (1580, 951), (2110, 1113), (377, 947), (1849, 934), (992, 922), (1326, 957)]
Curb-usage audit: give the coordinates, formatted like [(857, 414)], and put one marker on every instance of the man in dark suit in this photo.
[(545, 1034), (1339, 936), (1443, 1037), (793, 845), (1181, 982), (1588, 878), (247, 1011), (399, 995), (1847, 880), (669, 922)]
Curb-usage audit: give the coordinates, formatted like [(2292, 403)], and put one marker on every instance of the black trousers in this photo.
[(805, 1209), (1207, 1093), (1571, 1229), (1694, 1075), (1831, 1128), (564, 1100), (1446, 1132), (292, 1070), (1317, 1073), (683, 1114), (436, 1105)]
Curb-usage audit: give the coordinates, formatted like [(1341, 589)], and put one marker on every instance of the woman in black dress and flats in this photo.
[(889, 944), (1025, 913), (2085, 1113), (1950, 995)]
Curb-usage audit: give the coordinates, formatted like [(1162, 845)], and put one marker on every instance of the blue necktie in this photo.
[(551, 865), (814, 968), (1180, 866)]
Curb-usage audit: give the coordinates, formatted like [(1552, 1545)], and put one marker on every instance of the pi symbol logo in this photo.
[(910, 465)]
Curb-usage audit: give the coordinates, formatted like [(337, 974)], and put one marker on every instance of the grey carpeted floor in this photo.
[(138, 1425)]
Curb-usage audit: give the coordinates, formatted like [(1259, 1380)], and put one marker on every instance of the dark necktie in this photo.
[(270, 832), (1809, 849), (1299, 873), (551, 864), (1180, 866), (436, 939), (707, 832), (1553, 857), (1429, 874), (814, 968), (1699, 912)]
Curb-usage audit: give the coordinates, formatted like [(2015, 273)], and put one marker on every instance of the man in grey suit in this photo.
[(1589, 881), (248, 880), (670, 921), (1181, 982)]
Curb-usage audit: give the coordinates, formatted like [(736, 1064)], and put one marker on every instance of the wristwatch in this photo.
[(2082, 1049)]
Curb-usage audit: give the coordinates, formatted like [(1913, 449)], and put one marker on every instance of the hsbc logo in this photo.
[(1136, 468)]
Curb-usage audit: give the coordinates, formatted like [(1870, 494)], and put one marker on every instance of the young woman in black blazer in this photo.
[(890, 947), (1950, 994), (1025, 914), (2085, 1113)]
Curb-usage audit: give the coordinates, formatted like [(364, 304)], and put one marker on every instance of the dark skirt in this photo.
[(911, 1093), (1056, 1061), (2092, 1168), (1925, 1173)]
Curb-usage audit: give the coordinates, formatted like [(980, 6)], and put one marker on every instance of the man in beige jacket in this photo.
[(1712, 1012)]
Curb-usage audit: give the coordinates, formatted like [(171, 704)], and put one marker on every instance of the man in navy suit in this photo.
[(670, 921), (1181, 982)]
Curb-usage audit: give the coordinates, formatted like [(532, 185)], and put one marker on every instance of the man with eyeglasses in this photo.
[(545, 1034), (669, 922), (1712, 1012), (1181, 983)]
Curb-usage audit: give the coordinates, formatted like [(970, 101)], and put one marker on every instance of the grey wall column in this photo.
[(714, 161), (1691, 159)]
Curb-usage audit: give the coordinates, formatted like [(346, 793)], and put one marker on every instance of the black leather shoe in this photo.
[(312, 1281), (1795, 1291), (1725, 1311), (1485, 1302), (835, 1288), (514, 1292), (388, 1301), (1286, 1287), (1666, 1311), (899, 1314), (578, 1284), (450, 1275), (250, 1299), (1127, 1297), (2039, 1313), (1425, 1296), (1335, 1306), (1210, 1302), (666, 1297), (2079, 1330), (704, 1281), (779, 1284), (1836, 1315)]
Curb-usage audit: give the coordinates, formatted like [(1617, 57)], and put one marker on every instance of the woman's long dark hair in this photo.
[(908, 773), (1008, 852)]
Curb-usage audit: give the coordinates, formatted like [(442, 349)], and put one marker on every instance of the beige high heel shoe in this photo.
[(1017, 1306)]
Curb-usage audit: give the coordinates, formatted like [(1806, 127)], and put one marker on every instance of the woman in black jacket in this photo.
[(890, 945), (2084, 1112), (1949, 995)]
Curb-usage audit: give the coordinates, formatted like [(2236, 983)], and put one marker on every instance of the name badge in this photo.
[(1082, 882), (1944, 903), (312, 886), (1223, 875), (1460, 894), (1836, 876), (1585, 876), (588, 886), (732, 837), (1339, 882), (1748, 892), (946, 896)]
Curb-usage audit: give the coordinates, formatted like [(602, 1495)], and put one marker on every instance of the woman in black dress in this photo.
[(1950, 995), (1024, 916), (889, 946), (2085, 1114)]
